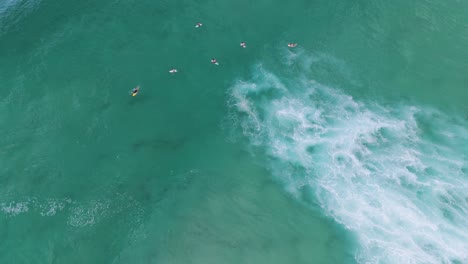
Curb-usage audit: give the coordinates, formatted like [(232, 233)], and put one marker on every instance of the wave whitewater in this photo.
[(395, 177)]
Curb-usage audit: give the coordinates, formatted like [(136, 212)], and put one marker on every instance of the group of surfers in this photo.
[(135, 90)]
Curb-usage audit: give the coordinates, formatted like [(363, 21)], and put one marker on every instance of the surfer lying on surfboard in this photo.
[(135, 91)]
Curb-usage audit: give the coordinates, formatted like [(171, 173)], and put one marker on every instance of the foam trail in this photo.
[(374, 169), (78, 214)]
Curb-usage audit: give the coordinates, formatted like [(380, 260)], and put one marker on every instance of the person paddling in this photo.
[(242, 44), (135, 90), (198, 25), (292, 45), (214, 61)]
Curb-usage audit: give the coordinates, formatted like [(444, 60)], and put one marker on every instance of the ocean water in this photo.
[(350, 148)]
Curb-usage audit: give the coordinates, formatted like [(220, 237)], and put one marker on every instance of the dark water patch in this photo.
[(159, 144)]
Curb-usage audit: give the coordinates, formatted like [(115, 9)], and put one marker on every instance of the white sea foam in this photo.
[(403, 193), (88, 214), (52, 206), (14, 208), (78, 214), (47, 207), (91, 212)]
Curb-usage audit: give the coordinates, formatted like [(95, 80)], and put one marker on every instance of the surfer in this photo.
[(214, 61), (242, 44), (292, 45), (173, 70), (198, 25), (135, 90)]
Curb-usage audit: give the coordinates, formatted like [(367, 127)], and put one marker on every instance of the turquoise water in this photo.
[(350, 148)]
